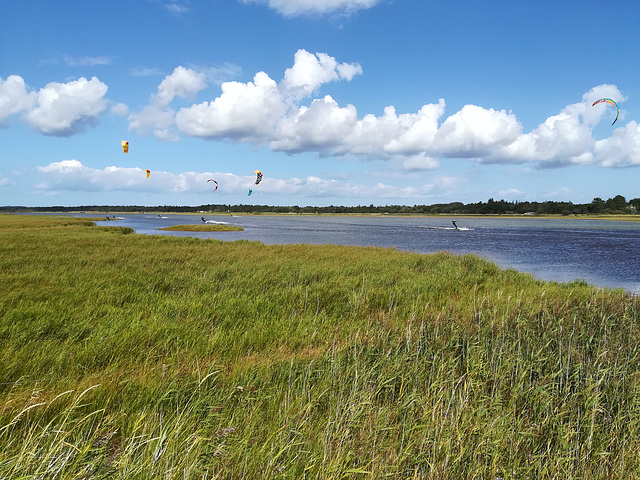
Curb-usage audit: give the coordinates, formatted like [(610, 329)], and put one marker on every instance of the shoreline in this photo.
[(632, 218)]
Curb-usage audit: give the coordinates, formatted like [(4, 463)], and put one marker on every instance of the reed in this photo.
[(128, 356)]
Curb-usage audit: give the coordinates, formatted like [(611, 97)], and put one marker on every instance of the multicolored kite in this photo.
[(608, 100), (125, 145)]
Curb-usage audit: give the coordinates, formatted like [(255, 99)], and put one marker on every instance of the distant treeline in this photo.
[(615, 205)]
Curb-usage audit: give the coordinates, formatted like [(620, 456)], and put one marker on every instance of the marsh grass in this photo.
[(129, 356)]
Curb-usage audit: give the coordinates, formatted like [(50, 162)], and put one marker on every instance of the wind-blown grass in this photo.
[(128, 356)]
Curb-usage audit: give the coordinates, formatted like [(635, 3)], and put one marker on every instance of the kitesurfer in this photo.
[(202, 219), (454, 224)]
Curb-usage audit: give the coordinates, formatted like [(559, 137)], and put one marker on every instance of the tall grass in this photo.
[(129, 356)]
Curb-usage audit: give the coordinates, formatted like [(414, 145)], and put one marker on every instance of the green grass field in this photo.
[(139, 357)]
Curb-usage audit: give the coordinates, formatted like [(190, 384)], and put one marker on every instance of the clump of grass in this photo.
[(203, 228), (131, 356)]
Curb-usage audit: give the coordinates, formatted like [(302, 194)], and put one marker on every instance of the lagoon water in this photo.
[(604, 253)]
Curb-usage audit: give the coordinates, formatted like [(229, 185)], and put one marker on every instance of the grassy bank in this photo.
[(129, 357)]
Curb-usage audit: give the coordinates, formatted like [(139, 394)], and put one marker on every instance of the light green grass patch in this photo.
[(151, 356)]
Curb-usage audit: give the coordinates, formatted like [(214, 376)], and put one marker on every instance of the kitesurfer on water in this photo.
[(454, 224)]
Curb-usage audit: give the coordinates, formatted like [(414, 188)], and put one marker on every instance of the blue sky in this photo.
[(343, 102)]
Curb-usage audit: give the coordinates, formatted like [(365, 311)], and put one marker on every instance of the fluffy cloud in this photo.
[(260, 111), (292, 8), (72, 175), (562, 139), (14, 97), (593, 115), (622, 149), (157, 117), (321, 127), (285, 117), (268, 113), (183, 83), (244, 111), (415, 132), (61, 109), (475, 132), (310, 71)]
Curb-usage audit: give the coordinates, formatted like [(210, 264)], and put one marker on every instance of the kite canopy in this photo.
[(125, 146), (148, 173), (258, 176), (608, 100), (212, 180)]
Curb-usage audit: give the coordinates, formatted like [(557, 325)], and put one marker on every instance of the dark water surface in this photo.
[(604, 253)]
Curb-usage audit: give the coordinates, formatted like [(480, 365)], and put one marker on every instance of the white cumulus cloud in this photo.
[(320, 127), (310, 71), (475, 131), (157, 117), (414, 132), (286, 117), (64, 109), (622, 149), (243, 111), (14, 97), (183, 83), (73, 176), (260, 111), (264, 112), (562, 139)]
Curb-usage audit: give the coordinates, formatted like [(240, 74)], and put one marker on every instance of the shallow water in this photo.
[(604, 253)]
